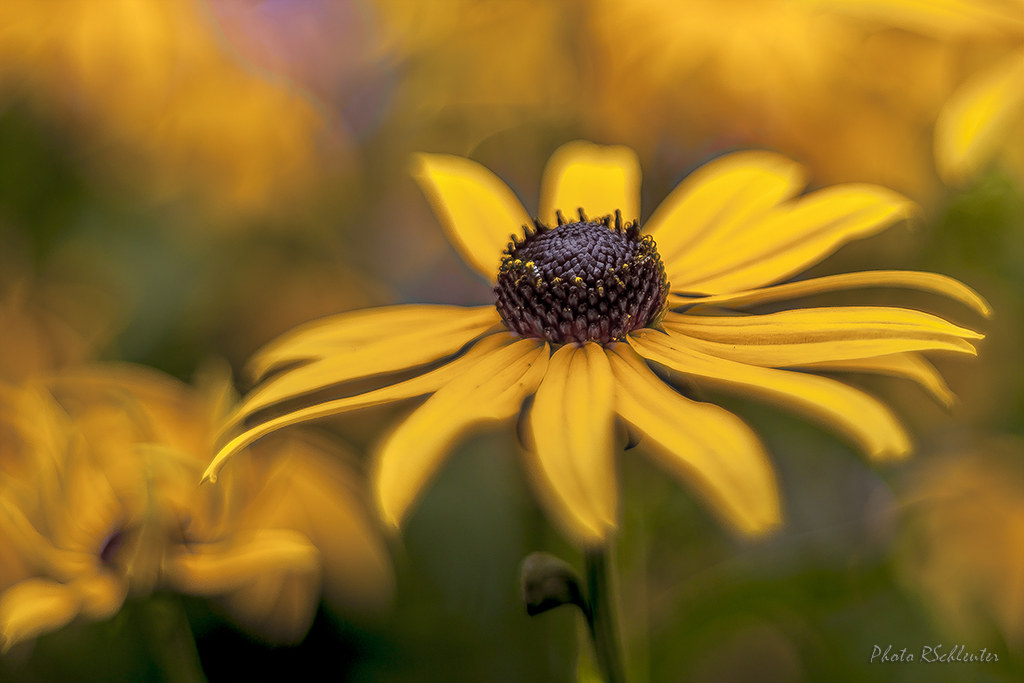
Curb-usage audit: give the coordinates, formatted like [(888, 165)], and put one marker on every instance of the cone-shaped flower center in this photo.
[(582, 281)]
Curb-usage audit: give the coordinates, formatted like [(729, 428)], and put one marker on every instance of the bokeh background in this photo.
[(182, 181)]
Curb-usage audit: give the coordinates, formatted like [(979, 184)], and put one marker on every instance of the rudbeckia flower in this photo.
[(586, 322), (103, 504)]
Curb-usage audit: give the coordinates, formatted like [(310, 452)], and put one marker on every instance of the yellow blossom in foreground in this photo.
[(105, 504), (152, 82), (984, 117), (580, 319)]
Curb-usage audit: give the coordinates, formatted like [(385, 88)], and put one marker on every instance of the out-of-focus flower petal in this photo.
[(863, 419), (904, 365), (978, 118), (314, 490), (39, 550), (13, 563), (719, 198), (481, 68), (488, 391), (571, 425), (944, 19), (276, 606), (416, 386), (102, 594), (221, 568), (837, 94), (963, 540), (788, 239), (269, 580), (700, 443), (35, 606), (598, 179), (926, 282), (478, 211)]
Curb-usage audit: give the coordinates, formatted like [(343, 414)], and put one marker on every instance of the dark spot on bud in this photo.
[(582, 281)]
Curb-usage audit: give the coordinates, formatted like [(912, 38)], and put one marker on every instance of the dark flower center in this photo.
[(581, 281)]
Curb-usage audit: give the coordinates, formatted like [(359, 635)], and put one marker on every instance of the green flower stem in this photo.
[(601, 617), (169, 639)]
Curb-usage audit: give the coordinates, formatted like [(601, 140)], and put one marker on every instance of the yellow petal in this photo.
[(38, 549), (863, 419), (363, 344), (700, 443), (478, 211), (490, 390), (824, 333), (102, 594), (904, 365), (349, 332), (788, 239), (33, 607), (926, 282), (978, 118), (315, 490), (217, 569), (812, 353), (571, 424), (719, 198), (416, 386), (278, 607), (596, 178)]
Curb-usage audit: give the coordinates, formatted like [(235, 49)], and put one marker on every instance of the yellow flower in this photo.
[(580, 314), (984, 117), (104, 504)]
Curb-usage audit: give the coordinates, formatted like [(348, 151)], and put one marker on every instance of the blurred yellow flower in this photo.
[(963, 544), (984, 117), (698, 76), (580, 311), (152, 83), (479, 67), (104, 503)]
